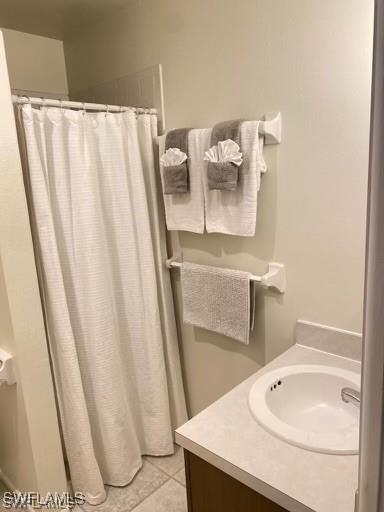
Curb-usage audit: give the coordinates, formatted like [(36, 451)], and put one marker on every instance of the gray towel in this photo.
[(226, 130), (224, 175), (217, 299), (175, 177)]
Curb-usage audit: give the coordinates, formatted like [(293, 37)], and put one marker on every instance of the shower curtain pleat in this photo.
[(108, 300)]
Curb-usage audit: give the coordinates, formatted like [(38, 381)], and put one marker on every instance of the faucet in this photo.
[(349, 395)]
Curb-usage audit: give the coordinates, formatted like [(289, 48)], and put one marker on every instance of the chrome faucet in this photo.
[(349, 395)]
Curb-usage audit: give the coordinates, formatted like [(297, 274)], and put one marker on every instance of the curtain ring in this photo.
[(21, 103)]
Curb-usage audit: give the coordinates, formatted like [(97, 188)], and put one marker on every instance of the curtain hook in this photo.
[(84, 109), (20, 103), (107, 110), (61, 105)]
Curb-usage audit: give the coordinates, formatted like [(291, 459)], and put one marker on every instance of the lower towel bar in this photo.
[(274, 278)]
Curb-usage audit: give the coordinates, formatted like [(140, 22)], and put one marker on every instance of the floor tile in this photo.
[(170, 464), (171, 497), (180, 476), (124, 499)]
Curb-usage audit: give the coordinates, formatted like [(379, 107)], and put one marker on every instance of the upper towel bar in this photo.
[(274, 278), (270, 127)]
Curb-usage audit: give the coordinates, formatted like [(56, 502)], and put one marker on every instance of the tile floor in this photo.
[(158, 487)]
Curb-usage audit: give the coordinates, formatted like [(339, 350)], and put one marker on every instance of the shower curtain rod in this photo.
[(49, 102)]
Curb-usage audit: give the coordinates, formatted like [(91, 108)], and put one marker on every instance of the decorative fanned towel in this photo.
[(185, 212), (174, 162), (224, 157), (217, 299), (235, 213)]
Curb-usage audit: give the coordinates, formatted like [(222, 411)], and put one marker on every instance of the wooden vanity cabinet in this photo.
[(211, 490)]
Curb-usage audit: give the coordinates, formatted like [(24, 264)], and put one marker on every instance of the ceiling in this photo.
[(55, 18)]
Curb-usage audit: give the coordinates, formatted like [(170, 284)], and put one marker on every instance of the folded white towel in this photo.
[(185, 212), (173, 156), (217, 299), (234, 212), (225, 151)]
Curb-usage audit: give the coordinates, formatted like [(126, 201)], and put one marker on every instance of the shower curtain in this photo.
[(107, 297)]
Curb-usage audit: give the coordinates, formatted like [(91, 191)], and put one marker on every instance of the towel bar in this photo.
[(274, 278), (270, 127)]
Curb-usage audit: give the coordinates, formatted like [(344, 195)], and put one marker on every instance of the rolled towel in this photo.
[(224, 175), (175, 175)]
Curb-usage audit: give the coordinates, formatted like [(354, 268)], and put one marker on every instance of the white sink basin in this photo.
[(302, 404)]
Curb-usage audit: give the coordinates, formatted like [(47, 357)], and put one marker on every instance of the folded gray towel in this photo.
[(175, 177), (217, 299), (226, 130), (224, 175)]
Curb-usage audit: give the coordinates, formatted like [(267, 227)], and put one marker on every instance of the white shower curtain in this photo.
[(107, 295)]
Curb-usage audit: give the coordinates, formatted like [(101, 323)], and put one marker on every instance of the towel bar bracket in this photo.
[(271, 128), (274, 278)]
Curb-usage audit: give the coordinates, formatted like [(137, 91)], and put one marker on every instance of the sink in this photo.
[(302, 405)]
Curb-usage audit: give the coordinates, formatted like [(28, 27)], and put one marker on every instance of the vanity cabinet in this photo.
[(211, 490)]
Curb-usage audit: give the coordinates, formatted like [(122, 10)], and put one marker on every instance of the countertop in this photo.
[(227, 436)]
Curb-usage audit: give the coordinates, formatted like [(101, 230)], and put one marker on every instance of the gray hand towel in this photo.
[(217, 299), (175, 177), (226, 130), (224, 175)]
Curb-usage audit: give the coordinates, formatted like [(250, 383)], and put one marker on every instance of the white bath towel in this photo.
[(217, 299), (185, 212), (234, 212)]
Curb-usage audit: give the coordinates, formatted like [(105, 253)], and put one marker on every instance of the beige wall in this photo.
[(30, 449), (35, 63), (15, 442), (221, 60)]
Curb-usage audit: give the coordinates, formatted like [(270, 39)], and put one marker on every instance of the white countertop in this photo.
[(227, 436)]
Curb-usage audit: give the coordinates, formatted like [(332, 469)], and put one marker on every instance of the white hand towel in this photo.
[(217, 299), (234, 213), (225, 151), (173, 156), (185, 212)]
